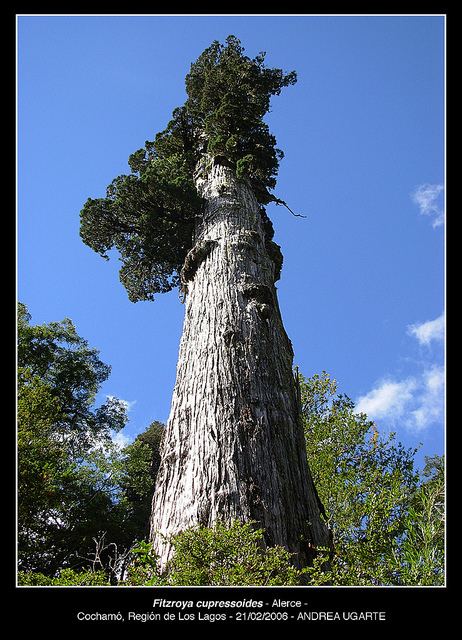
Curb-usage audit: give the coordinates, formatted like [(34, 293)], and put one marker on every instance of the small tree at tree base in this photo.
[(221, 555)]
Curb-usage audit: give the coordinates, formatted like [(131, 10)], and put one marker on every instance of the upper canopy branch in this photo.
[(149, 215)]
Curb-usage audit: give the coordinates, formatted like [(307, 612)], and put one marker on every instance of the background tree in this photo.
[(132, 471), (386, 518), (420, 553), (136, 480), (190, 213), (65, 489)]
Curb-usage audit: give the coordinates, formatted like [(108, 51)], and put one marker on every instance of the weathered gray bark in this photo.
[(234, 446)]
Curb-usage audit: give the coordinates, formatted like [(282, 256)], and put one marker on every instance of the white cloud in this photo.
[(415, 403), (430, 402), (121, 440), (426, 197), (434, 379), (388, 400), (428, 331)]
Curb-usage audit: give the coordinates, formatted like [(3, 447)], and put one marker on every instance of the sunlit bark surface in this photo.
[(234, 446)]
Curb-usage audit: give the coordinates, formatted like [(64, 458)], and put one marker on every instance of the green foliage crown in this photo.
[(149, 215)]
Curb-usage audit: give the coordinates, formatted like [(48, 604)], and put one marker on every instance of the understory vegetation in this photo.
[(84, 502)]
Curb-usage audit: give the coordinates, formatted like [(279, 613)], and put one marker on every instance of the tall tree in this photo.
[(191, 213)]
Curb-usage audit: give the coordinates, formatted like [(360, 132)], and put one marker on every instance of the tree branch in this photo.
[(278, 201)]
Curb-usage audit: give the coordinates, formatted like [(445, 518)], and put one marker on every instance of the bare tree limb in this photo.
[(278, 201)]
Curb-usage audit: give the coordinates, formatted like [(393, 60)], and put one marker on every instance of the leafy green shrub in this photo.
[(221, 555), (65, 578), (143, 569)]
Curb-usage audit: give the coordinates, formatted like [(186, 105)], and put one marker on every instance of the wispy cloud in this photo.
[(121, 440), (425, 332), (416, 402), (388, 399), (430, 401), (426, 197)]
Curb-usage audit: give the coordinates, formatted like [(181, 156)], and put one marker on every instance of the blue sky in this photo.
[(362, 287)]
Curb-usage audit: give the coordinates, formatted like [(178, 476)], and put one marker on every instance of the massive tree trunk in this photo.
[(234, 445)]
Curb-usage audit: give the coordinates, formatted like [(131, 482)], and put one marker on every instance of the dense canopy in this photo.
[(149, 215)]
